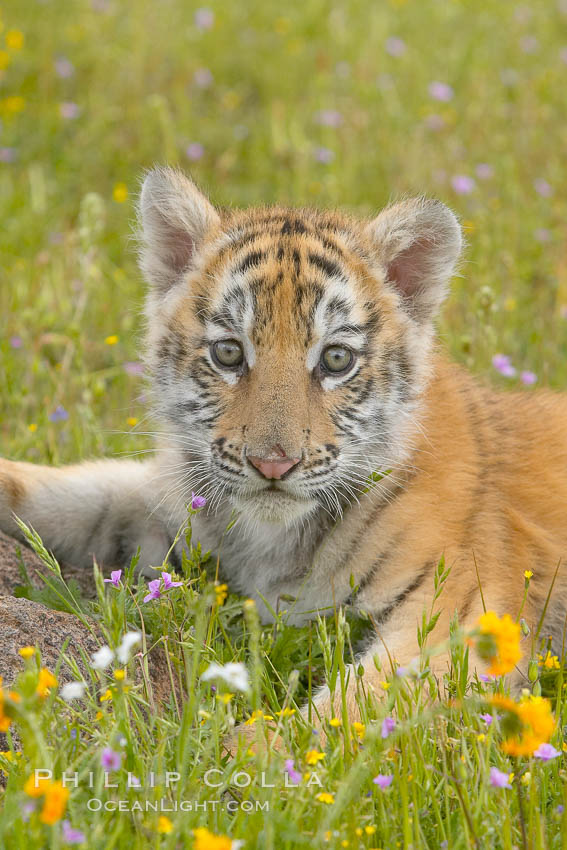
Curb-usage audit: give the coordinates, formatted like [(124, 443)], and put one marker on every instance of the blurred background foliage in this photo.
[(315, 102)]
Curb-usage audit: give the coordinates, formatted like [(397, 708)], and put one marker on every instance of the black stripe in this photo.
[(326, 265), (415, 584), (254, 258)]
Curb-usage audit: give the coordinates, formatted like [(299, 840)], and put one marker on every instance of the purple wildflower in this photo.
[(543, 188), (542, 234), (71, 835), (440, 91), (134, 367), (499, 779), (110, 759), (64, 68), (385, 82), (484, 677), (194, 151), (383, 781), (69, 110), (509, 77), (16, 342), (529, 44), (197, 502), (59, 414), (528, 378), (342, 70), (501, 363), (484, 171), (434, 122), (463, 184), (204, 19), (329, 118), (294, 775), (114, 578), (202, 78), (395, 46), (388, 726), (546, 752), (168, 583), (7, 154), (488, 718), (560, 809), (154, 588), (27, 809), (324, 155)]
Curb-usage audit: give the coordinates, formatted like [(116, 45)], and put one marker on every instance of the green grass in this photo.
[(69, 281)]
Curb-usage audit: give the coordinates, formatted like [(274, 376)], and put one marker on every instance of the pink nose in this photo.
[(274, 465)]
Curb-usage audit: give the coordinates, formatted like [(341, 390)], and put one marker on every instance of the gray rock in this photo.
[(27, 623), (10, 575)]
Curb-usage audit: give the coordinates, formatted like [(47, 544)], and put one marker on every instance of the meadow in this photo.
[(346, 104)]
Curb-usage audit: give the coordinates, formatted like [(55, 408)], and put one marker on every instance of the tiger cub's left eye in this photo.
[(336, 358), (227, 353)]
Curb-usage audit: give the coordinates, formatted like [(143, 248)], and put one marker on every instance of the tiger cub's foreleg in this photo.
[(101, 509)]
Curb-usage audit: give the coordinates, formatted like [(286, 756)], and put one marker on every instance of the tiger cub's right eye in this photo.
[(227, 353)]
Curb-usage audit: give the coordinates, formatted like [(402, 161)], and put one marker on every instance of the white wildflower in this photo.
[(234, 675), (129, 641), (73, 690), (102, 658)]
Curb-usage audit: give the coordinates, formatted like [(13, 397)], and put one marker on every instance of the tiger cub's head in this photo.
[(288, 347)]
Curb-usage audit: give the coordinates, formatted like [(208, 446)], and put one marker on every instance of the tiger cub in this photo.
[(293, 359)]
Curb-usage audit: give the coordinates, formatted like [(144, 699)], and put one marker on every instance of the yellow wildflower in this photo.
[(111, 340), (164, 826), (325, 797), (131, 421), (225, 698), (314, 756), (14, 104), (502, 642), (27, 651), (45, 682), (36, 786), (120, 193), (107, 695), (32, 427), (205, 840), (531, 723), (360, 729), (14, 39), (5, 721), (120, 675), (4, 60), (386, 685), (256, 715), (528, 574), (370, 830), (221, 591), (285, 712), (56, 796), (335, 722), (550, 662)]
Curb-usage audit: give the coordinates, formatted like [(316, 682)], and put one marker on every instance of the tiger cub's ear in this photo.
[(418, 242), (175, 218)]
